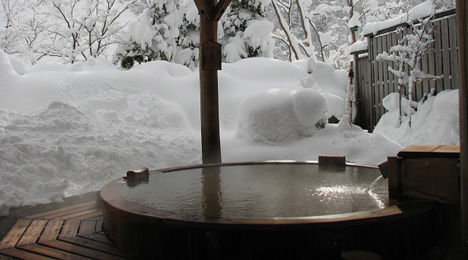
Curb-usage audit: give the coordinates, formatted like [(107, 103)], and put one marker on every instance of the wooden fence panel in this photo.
[(453, 51), (362, 94), (445, 54), (438, 54), (376, 81)]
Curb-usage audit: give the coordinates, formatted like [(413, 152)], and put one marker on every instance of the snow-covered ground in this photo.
[(70, 129)]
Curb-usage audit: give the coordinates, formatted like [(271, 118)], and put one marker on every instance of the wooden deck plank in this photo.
[(51, 230), (99, 237), (64, 211), (15, 233), (70, 228), (420, 148), (73, 232), (99, 225), (83, 214), (52, 252), (69, 247), (33, 232), (22, 254), (87, 227), (111, 249), (448, 149), (97, 218)]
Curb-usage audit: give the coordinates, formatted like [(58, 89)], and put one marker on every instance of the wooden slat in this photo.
[(32, 232), (22, 254), (99, 238), (111, 249), (420, 148), (87, 227), (52, 252), (99, 225), (97, 218), (438, 54), (389, 46), (69, 247), (78, 235), (448, 149), (439, 151), (70, 228), (51, 230), (84, 214), (431, 65), (453, 51), (446, 54), (15, 233), (64, 211)]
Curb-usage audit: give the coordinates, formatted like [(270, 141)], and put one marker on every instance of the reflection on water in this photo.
[(211, 192), (262, 191)]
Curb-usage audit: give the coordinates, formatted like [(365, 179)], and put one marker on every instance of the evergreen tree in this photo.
[(247, 33), (189, 36), (153, 35)]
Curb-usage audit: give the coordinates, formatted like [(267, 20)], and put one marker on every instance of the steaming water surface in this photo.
[(262, 191)]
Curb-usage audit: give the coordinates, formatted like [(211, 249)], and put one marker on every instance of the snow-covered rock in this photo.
[(278, 116)]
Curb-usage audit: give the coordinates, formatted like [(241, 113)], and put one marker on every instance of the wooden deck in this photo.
[(72, 232)]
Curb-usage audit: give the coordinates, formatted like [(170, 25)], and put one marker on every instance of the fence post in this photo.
[(462, 25)]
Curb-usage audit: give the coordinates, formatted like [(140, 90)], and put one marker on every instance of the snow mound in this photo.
[(278, 116), (17, 65), (62, 150), (330, 83), (436, 121), (6, 69), (391, 102)]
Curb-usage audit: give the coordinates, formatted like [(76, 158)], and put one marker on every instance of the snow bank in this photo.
[(435, 122), (7, 72), (341, 139)]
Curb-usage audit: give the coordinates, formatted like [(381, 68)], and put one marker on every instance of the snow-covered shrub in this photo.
[(278, 115), (153, 35), (407, 55), (247, 33), (189, 36), (331, 83), (170, 30), (429, 123)]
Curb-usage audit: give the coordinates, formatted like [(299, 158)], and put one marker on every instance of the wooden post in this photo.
[(462, 30), (209, 106), (210, 62)]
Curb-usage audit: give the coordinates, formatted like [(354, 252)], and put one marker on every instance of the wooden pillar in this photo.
[(462, 27), (209, 106)]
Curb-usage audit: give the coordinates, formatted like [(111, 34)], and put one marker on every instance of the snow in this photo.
[(422, 10), (278, 116), (358, 46), (435, 122), (354, 21), (257, 36), (70, 129)]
